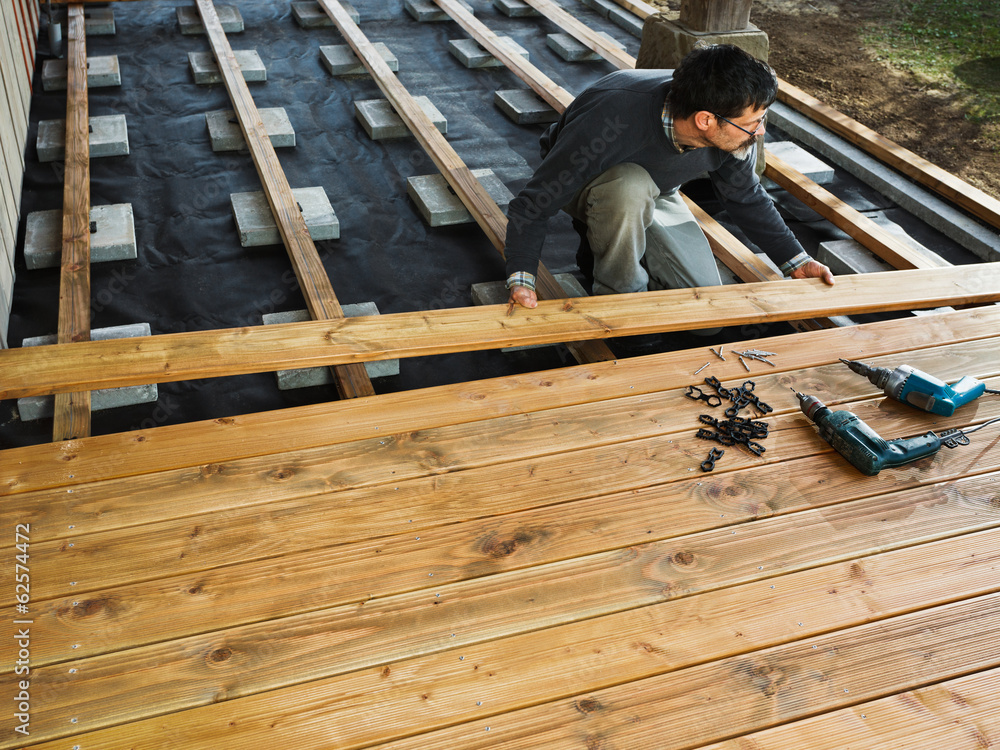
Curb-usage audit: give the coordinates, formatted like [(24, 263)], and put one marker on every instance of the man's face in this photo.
[(737, 135)]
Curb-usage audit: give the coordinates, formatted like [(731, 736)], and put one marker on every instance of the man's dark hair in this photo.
[(722, 79)]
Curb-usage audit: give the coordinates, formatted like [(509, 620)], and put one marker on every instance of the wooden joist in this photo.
[(947, 185), (882, 243), (72, 410), (470, 191), (51, 467), (184, 356), (351, 378)]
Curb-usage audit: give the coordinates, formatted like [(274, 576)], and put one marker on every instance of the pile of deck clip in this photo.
[(735, 430)]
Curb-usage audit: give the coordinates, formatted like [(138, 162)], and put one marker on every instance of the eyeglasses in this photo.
[(760, 123)]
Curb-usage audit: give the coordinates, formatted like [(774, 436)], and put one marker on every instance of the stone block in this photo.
[(189, 19), (99, 21), (850, 256), (524, 107), (102, 71), (515, 8), (381, 122), (40, 407), (340, 59), (798, 158), (495, 293), (626, 20), (602, 7), (112, 236), (256, 224), (440, 206), (224, 129), (206, 71), (474, 56), (310, 15), (425, 11), (313, 376), (665, 42), (571, 50), (108, 137)]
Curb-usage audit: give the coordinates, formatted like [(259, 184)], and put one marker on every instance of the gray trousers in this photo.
[(641, 240)]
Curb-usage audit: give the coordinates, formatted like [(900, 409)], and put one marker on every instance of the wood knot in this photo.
[(196, 589), (505, 546), (212, 469), (683, 558), (588, 705), (386, 671), (225, 420), (220, 655)]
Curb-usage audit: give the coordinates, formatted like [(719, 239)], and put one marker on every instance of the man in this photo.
[(618, 155)]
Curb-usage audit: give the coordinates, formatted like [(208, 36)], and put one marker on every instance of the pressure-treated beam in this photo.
[(351, 379), (469, 190), (72, 410), (185, 356)]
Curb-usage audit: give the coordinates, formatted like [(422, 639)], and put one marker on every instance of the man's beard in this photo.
[(746, 150)]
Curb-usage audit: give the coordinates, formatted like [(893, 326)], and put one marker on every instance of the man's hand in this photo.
[(814, 270), (523, 296)]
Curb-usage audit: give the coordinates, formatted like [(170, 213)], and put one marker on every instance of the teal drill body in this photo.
[(926, 392), (860, 444)]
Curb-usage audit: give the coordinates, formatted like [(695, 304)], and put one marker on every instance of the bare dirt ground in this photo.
[(816, 45)]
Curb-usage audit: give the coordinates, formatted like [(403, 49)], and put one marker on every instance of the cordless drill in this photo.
[(859, 443), (926, 392)]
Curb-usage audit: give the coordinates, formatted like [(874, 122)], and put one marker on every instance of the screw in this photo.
[(702, 368), (72, 721), (461, 658), (73, 670)]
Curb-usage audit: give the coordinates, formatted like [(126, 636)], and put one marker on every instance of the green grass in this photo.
[(952, 45)]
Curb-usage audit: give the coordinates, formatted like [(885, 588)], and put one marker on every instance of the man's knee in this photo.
[(625, 189)]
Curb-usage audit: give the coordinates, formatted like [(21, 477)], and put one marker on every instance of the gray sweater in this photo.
[(619, 119)]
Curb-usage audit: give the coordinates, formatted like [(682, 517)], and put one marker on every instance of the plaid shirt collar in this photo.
[(668, 128)]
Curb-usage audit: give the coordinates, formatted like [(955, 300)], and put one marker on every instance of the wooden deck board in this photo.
[(551, 573)]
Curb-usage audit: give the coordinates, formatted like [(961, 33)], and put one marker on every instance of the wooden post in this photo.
[(715, 15)]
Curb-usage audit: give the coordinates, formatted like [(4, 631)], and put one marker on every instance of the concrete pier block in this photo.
[(309, 15), (474, 56), (256, 224), (313, 376), (206, 71), (224, 129), (102, 71), (665, 42), (571, 50), (626, 20), (108, 137), (99, 21), (381, 122), (112, 236), (340, 59), (797, 157), (515, 8), (426, 11), (438, 203), (524, 107), (850, 256), (602, 7), (189, 19), (496, 293), (40, 407)]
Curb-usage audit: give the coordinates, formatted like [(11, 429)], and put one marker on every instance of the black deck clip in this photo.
[(697, 394), (713, 455)]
